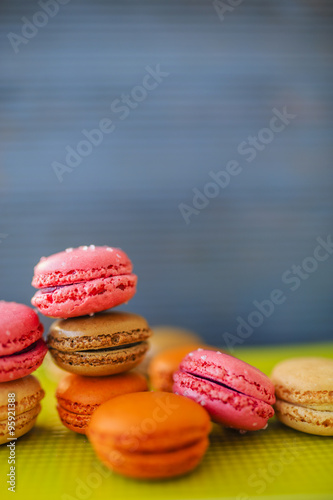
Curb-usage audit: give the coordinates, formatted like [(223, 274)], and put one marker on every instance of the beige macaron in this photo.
[(167, 337), (19, 407), (304, 394)]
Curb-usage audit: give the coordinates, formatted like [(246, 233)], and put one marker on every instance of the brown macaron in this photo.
[(78, 397), (100, 345)]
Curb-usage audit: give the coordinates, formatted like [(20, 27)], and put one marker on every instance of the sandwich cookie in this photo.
[(82, 281), (104, 344), (22, 348), (78, 397), (19, 407), (150, 435), (167, 337), (304, 392), (234, 393)]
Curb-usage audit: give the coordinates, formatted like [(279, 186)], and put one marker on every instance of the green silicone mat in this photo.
[(277, 463)]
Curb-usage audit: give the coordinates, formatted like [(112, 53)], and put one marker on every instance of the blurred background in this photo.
[(64, 65)]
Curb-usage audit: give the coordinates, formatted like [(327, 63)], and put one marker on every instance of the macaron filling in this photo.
[(97, 342), (94, 287), (39, 345), (100, 362), (121, 286), (114, 348), (26, 340), (22, 363), (94, 353), (243, 382), (23, 351)]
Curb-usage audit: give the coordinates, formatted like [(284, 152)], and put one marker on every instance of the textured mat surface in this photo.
[(278, 463)]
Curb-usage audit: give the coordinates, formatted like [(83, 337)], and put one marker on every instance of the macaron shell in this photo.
[(305, 419), (23, 424), (19, 327), (82, 395), (154, 465), (23, 363), (230, 371), (225, 406), (100, 362), (87, 297), (80, 264), (173, 422), (74, 421), (305, 381), (28, 393)]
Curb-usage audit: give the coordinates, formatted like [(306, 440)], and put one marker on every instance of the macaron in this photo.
[(234, 393), (19, 407), (78, 397), (150, 435), (82, 281), (104, 344), (304, 394), (22, 348), (166, 337), (163, 366)]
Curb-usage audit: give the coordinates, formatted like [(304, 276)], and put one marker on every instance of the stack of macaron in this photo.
[(22, 350), (97, 347), (140, 434)]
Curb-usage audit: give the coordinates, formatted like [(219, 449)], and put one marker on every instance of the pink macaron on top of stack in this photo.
[(81, 281), (80, 264), (19, 327), (230, 371)]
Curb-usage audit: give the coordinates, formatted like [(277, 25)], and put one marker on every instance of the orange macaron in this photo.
[(150, 435), (166, 363), (78, 396)]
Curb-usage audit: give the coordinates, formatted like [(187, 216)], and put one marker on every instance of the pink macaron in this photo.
[(234, 393), (83, 281), (22, 348)]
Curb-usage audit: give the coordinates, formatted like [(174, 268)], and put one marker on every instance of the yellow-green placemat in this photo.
[(277, 463)]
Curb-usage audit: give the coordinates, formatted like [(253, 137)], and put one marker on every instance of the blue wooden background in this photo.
[(225, 78)]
